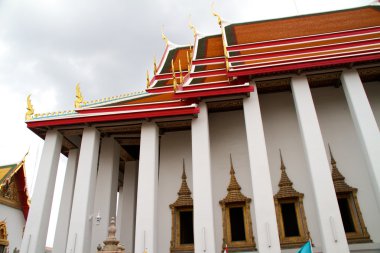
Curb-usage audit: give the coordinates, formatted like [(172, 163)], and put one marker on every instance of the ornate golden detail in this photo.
[(163, 36), (184, 203), (288, 195), (216, 14), (175, 85), (154, 66), (188, 62), (78, 96), (235, 199), (29, 109), (180, 72), (147, 79), (344, 191), (111, 244), (3, 234), (192, 27)]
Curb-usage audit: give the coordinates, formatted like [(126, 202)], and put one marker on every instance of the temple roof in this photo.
[(12, 177), (223, 64)]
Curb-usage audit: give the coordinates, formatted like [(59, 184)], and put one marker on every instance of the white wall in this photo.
[(338, 130), (282, 132), (227, 135), (15, 225), (373, 93), (174, 146)]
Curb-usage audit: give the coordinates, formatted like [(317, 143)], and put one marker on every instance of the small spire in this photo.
[(232, 170), (284, 180), (29, 108), (147, 79), (154, 66), (78, 96), (163, 36), (282, 161), (192, 27), (174, 77), (216, 14), (184, 177), (333, 162), (180, 72), (188, 61), (234, 185)]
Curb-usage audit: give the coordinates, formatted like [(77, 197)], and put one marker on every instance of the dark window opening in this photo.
[(237, 224), (186, 230), (345, 212), (289, 218)]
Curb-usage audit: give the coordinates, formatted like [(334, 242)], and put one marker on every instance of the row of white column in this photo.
[(77, 224)]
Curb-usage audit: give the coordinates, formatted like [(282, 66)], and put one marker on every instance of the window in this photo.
[(353, 222), (291, 220), (237, 225), (182, 219), (3, 237)]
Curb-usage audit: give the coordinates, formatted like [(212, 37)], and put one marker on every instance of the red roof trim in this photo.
[(269, 69), (207, 73), (215, 92), (303, 39), (117, 117), (208, 61), (305, 50)]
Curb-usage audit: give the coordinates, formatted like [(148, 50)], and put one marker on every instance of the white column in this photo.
[(365, 124), (204, 234), (36, 228), (267, 239), (63, 222), (83, 201), (128, 207), (106, 190), (146, 211), (330, 222), (119, 211)]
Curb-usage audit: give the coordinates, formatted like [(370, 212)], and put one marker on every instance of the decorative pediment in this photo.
[(184, 193), (340, 184)]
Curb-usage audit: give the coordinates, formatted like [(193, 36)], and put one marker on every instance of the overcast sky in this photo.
[(47, 46)]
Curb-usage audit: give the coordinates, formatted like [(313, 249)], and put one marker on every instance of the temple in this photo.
[(194, 158), (14, 206)]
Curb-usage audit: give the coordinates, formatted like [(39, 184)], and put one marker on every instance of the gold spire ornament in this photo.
[(180, 72), (163, 36), (192, 27), (175, 85), (78, 96), (216, 14), (29, 109), (154, 66), (147, 79), (188, 61)]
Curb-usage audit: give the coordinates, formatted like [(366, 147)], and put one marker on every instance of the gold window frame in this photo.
[(233, 199), (3, 234), (184, 202), (343, 190), (287, 194)]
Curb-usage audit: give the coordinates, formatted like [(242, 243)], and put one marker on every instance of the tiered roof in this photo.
[(222, 64), (13, 188)]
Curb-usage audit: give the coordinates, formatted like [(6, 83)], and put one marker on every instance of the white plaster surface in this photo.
[(39, 213), (175, 146), (83, 202), (15, 221), (372, 90)]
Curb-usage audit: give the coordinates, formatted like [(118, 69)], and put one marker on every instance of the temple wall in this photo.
[(338, 130), (282, 132), (227, 135), (373, 93), (15, 225), (174, 146)]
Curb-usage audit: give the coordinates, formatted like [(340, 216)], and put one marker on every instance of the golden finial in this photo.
[(188, 61), (163, 36), (29, 109), (78, 97), (216, 14), (174, 78), (147, 79), (154, 66), (180, 72), (192, 27)]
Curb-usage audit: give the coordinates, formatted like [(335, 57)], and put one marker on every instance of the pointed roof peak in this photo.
[(184, 193), (232, 170), (184, 177), (331, 156), (234, 185), (282, 161)]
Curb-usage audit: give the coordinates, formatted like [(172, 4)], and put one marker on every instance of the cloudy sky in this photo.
[(47, 46)]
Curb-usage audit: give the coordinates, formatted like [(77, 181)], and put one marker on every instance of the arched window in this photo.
[(291, 219), (3, 237), (182, 219), (353, 222), (237, 224)]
